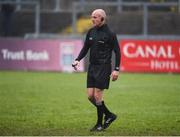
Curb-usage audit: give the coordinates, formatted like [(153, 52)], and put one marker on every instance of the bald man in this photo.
[(101, 41)]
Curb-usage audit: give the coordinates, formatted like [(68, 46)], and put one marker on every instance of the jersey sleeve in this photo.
[(117, 52), (85, 48)]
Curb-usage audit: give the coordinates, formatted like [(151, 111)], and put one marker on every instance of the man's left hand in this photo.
[(114, 75)]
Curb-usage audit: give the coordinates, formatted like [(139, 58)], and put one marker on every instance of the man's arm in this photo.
[(82, 53), (116, 49), (117, 53)]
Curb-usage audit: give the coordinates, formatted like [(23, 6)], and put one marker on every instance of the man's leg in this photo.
[(90, 94), (91, 98), (98, 95), (101, 108), (109, 116), (106, 110)]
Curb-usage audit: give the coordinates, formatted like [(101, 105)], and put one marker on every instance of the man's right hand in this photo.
[(75, 64)]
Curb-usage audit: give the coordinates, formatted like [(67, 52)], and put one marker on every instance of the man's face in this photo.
[(96, 19)]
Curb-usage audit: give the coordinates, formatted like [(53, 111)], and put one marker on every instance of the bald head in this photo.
[(98, 17), (100, 12)]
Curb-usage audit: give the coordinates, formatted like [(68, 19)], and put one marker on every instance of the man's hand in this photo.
[(75, 65), (114, 75)]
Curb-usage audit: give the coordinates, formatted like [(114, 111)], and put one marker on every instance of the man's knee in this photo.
[(90, 95), (90, 92), (98, 96)]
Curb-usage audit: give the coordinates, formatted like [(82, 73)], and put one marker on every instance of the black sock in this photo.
[(106, 111), (93, 101), (99, 113)]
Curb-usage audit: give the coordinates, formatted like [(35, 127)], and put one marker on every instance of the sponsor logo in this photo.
[(150, 56), (28, 55)]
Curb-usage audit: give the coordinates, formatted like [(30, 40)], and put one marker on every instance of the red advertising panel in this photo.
[(150, 56)]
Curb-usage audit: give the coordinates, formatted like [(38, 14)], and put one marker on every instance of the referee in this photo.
[(101, 41)]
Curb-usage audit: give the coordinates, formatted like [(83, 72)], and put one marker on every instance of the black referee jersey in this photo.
[(101, 41)]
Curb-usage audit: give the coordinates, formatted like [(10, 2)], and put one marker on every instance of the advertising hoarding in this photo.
[(45, 54), (150, 55)]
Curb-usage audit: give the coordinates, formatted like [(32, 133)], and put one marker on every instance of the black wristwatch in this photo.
[(116, 69)]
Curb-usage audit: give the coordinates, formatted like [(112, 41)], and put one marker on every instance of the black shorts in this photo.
[(98, 76)]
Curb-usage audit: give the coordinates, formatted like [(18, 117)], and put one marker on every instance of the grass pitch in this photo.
[(55, 104)]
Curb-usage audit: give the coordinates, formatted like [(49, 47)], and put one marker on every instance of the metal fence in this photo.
[(82, 6), (35, 6), (144, 6)]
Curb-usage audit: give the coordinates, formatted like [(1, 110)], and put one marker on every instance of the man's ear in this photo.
[(102, 19)]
